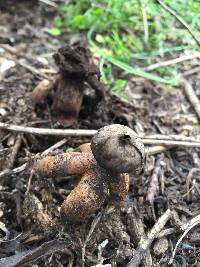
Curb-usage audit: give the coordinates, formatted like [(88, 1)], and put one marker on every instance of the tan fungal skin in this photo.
[(86, 198), (104, 165), (43, 89), (69, 163), (66, 106), (85, 148), (119, 187)]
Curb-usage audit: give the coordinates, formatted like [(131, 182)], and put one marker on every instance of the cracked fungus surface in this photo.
[(86, 198), (65, 164)]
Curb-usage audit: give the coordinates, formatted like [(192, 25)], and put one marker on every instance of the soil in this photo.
[(31, 233)]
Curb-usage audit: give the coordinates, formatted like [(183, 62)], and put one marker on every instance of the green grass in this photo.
[(115, 32)]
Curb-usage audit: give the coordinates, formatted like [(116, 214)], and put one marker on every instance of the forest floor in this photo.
[(168, 189)]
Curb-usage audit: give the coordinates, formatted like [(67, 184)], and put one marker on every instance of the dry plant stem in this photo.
[(172, 61), (191, 72), (153, 188), (155, 150), (171, 143), (173, 137), (138, 233), (151, 236), (15, 150), (148, 140), (93, 226), (23, 167), (191, 95), (31, 69), (173, 13), (186, 228)]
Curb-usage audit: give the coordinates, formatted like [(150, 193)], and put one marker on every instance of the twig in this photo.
[(50, 3), (23, 167), (186, 228), (190, 72), (15, 150), (153, 188), (170, 143), (155, 150), (44, 153), (45, 131), (172, 61), (192, 142), (190, 93), (145, 243), (138, 234), (173, 137), (173, 13), (93, 226), (31, 69), (10, 163)]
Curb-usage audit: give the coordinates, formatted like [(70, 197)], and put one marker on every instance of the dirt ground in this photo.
[(31, 233)]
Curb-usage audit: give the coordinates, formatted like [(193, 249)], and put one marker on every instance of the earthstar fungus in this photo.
[(66, 90), (115, 152)]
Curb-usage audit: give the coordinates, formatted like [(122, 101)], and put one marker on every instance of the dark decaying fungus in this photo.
[(115, 151), (66, 89)]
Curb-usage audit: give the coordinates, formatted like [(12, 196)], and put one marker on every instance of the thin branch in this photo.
[(50, 3), (191, 71), (46, 131), (170, 143), (24, 166), (138, 234), (92, 228), (191, 95), (172, 61), (183, 141), (186, 227), (145, 243), (15, 150), (173, 13)]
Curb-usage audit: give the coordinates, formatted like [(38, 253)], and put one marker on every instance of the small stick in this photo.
[(45, 131), (191, 95), (23, 167), (172, 61), (138, 234), (170, 143), (174, 137), (173, 13), (191, 71), (145, 243), (93, 226), (153, 188), (15, 150), (155, 150), (84, 132), (186, 228)]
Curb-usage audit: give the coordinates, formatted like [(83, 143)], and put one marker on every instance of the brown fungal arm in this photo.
[(119, 187), (65, 164), (44, 88), (87, 197), (85, 148)]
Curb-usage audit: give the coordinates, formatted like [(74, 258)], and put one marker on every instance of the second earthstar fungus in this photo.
[(65, 92)]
